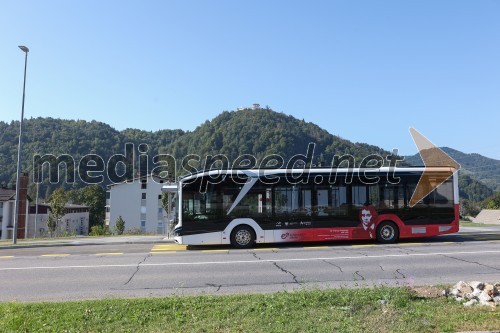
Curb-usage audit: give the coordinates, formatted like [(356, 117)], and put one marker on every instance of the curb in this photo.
[(83, 243)]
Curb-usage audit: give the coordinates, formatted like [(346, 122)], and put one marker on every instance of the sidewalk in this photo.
[(76, 241), (479, 229)]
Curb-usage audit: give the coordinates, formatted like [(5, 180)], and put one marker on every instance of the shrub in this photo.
[(119, 225), (99, 230)]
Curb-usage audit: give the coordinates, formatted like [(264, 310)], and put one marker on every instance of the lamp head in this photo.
[(24, 48)]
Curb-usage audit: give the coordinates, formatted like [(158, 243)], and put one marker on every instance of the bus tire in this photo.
[(243, 237), (387, 232)]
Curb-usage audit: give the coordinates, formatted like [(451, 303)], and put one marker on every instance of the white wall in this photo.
[(126, 201), (73, 223), (7, 218)]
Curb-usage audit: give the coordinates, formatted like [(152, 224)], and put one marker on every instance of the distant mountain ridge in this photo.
[(484, 169)]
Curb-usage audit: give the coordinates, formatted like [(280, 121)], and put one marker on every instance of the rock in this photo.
[(496, 299), (469, 296), (460, 285), (490, 289), (497, 285), (459, 299), (483, 303), (382, 301), (476, 293), (466, 289), (476, 285), (463, 287), (445, 292), (471, 302), (455, 292), (484, 297)]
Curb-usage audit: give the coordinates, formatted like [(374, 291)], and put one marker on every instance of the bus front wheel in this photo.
[(243, 237), (387, 232)]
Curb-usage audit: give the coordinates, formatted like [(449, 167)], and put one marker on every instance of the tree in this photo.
[(120, 225), (164, 201), (94, 196), (57, 201), (51, 224), (492, 202), (468, 208)]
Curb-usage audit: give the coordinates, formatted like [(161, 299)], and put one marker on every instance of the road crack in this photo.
[(218, 286), (256, 256), (471, 262), (396, 272), (287, 272), (137, 268), (332, 264), (358, 274)]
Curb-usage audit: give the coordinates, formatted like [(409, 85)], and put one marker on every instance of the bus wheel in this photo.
[(242, 237), (387, 232)]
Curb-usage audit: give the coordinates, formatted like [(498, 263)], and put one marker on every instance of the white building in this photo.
[(74, 222), (7, 207), (138, 203), (7, 203)]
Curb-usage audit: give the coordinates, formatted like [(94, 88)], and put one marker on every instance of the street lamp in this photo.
[(16, 209)]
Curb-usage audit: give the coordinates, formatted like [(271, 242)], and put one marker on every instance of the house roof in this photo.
[(7, 194), (140, 178), (65, 206)]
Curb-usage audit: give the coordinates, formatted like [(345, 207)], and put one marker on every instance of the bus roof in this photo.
[(315, 170)]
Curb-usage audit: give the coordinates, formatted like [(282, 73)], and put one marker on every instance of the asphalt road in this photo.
[(56, 273)]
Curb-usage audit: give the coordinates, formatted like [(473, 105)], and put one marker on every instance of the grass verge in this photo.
[(338, 310), (473, 224)]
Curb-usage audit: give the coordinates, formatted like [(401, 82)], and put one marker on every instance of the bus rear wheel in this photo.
[(387, 232), (243, 237)]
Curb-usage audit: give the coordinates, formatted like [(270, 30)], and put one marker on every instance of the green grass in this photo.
[(339, 310), (472, 224)]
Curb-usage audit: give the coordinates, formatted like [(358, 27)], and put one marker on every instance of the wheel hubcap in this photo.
[(243, 237), (387, 232)]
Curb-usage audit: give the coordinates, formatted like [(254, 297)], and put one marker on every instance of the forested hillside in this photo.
[(258, 132), (73, 137), (262, 132), (484, 169)]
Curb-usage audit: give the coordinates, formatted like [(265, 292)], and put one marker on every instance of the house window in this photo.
[(143, 196), (144, 186), (159, 197)]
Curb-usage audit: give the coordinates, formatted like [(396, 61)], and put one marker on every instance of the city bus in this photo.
[(248, 207)]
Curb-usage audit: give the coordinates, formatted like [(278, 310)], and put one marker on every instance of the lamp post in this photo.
[(16, 209)]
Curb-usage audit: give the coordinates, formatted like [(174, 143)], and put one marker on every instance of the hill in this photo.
[(478, 167), (258, 132), (262, 132), (73, 137)]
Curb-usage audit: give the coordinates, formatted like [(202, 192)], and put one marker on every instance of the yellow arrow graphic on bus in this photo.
[(432, 156)]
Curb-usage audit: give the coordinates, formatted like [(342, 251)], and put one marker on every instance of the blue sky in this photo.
[(364, 70)]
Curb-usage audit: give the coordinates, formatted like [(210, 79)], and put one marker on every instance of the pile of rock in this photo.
[(475, 292)]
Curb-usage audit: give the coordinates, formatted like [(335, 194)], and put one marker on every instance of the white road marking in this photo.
[(249, 261)]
